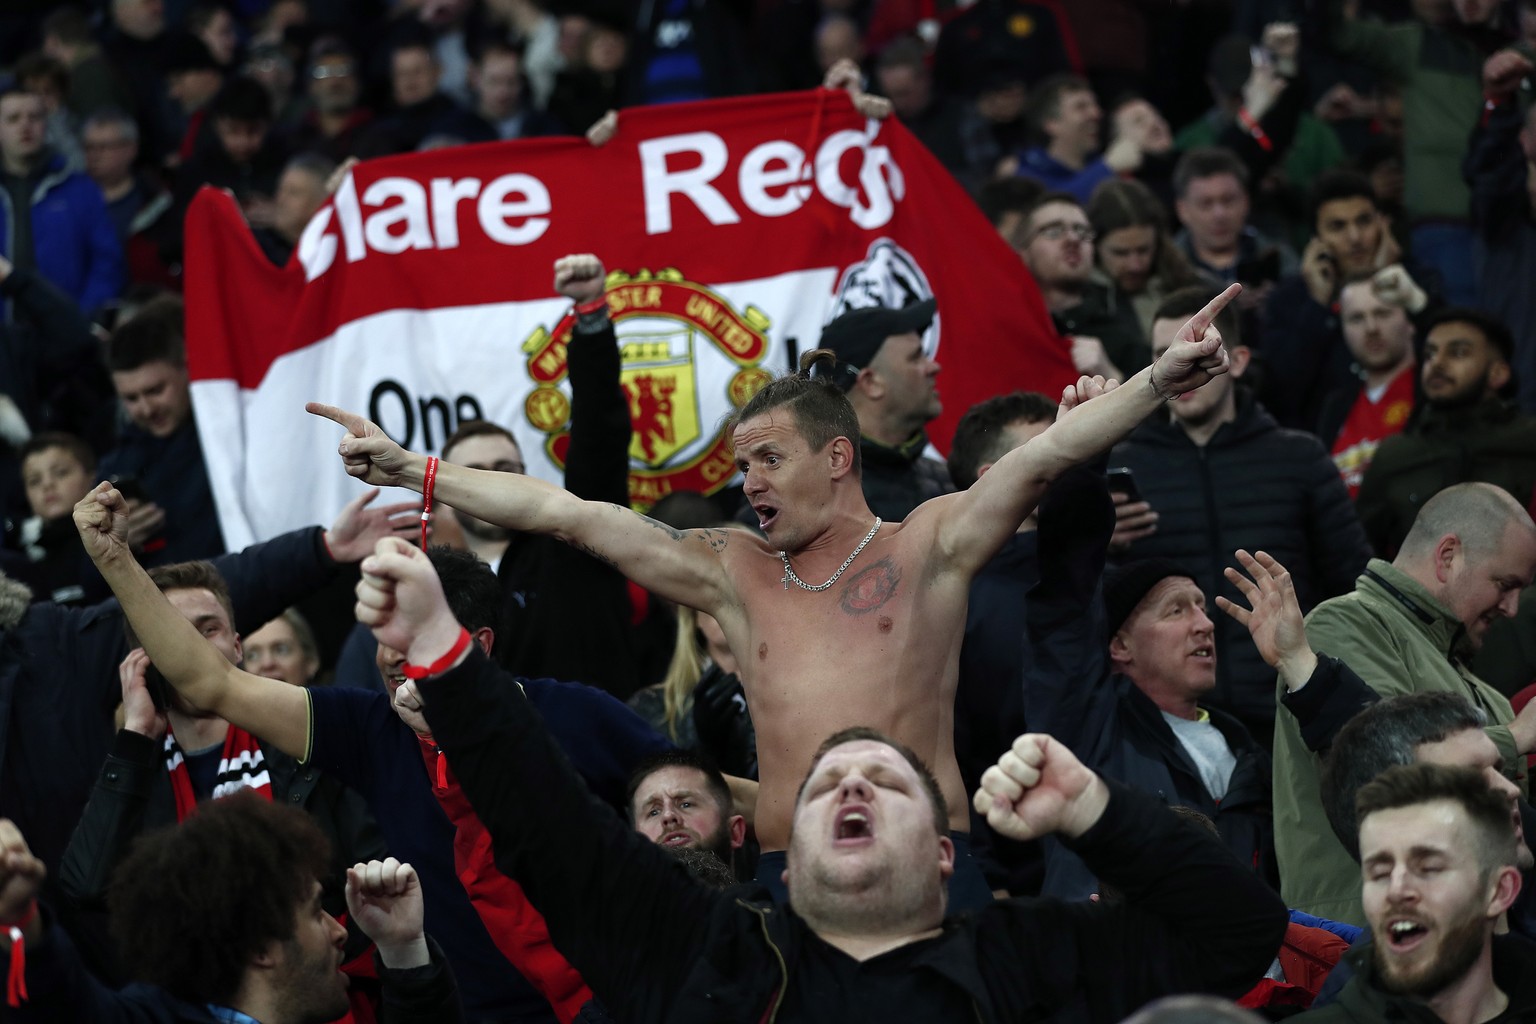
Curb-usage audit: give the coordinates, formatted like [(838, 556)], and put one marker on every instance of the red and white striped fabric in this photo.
[(732, 231)]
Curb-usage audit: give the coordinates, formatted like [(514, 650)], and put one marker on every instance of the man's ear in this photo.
[(268, 958), (981, 470), (869, 384), (1498, 375), (1446, 552), (485, 636), (840, 452), (946, 857), (1119, 650), (1240, 356), (737, 827), (1505, 889)]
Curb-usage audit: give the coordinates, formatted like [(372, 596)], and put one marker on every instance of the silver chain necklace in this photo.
[(789, 572)]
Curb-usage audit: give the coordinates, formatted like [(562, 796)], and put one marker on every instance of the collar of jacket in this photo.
[(1491, 411), (951, 954), (903, 454), (1514, 972), (15, 598), (1388, 583), (51, 172), (1251, 420)]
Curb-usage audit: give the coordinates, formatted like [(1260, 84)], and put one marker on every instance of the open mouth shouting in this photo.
[(853, 826), (767, 515), (1405, 934)]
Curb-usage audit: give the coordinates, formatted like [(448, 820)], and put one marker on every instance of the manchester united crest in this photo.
[(689, 357)]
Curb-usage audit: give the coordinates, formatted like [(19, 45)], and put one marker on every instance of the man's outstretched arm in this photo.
[(275, 711), (682, 566), (1095, 414)]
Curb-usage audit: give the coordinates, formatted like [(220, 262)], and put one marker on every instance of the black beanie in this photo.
[(1125, 586)]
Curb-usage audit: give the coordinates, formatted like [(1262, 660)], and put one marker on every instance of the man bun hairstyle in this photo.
[(814, 397)]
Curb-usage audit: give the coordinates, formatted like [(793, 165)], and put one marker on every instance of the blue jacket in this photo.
[(73, 239), (1036, 163)]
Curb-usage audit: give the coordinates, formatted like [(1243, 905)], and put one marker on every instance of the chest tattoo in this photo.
[(870, 589)]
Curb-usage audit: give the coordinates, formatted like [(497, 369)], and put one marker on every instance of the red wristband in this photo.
[(16, 975), (1254, 130), (426, 498), (598, 304), (441, 664)]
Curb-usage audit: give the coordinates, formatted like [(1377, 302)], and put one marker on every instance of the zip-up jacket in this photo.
[(656, 946), (1256, 486), (1072, 692), (73, 242), (1397, 638)]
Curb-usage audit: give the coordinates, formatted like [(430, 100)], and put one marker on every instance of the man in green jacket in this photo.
[(1408, 627)]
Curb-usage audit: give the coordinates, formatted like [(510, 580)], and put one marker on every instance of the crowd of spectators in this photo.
[(1278, 580)]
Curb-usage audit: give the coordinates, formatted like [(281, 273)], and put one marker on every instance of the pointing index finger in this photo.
[(351, 420), (1203, 318)]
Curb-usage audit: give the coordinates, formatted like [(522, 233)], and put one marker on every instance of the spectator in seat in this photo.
[(53, 219)]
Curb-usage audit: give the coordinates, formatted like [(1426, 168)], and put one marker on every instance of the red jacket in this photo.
[(517, 929)]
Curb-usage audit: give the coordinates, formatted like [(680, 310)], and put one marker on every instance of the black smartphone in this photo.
[(1122, 481), (129, 487)]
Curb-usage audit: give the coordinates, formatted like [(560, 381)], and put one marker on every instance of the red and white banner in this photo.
[(732, 231)]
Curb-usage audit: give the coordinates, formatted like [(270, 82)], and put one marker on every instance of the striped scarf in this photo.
[(242, 766)]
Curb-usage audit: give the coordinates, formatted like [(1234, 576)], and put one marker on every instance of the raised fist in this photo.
[(580, 277), (1503, 72)]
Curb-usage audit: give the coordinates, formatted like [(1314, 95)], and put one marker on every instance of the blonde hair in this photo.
[(683, 671)]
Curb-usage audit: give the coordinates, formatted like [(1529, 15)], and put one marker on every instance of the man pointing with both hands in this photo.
[(839, 619)]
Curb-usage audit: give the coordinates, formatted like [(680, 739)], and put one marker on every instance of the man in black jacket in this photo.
[(865, 932), (1128, 697), (567, 614), (220, 920), (1221, 474), (888, 376), (58, 666)]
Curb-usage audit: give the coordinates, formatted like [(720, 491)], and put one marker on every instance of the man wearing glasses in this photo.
[(1058, 250)]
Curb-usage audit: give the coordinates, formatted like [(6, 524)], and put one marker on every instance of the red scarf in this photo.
[(242, 766)]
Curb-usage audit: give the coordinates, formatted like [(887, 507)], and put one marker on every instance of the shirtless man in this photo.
[(840, 620)]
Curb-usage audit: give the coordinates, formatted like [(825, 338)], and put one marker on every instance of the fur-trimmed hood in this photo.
[(15, 597)]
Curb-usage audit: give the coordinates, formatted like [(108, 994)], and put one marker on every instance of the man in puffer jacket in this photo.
[(1220, 474)]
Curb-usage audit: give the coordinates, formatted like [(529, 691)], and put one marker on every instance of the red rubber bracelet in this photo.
[(441, 664), (426, 498), (599, 303)]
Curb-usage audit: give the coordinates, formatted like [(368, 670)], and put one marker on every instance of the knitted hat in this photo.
[(1125, 587)]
